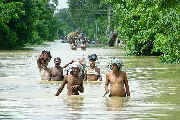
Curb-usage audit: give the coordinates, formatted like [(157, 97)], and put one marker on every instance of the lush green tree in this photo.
[(27, 21), (149, 27), (85, 16), (9, 12)]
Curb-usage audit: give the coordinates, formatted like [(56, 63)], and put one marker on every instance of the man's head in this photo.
[(116, 64), (92, 58), (92, 63), (57, 61), (76, 67)]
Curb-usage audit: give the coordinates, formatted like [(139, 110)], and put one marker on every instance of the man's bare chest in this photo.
[(75, 80), (116, 79), (56, 71)]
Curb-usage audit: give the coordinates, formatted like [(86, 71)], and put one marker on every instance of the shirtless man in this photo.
[(56, 72), (42, 63), (117, 80), (92, 73), (74, 81)]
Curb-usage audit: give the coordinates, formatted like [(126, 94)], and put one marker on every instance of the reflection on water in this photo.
[(154, 87), (75, 102), (115, 103)]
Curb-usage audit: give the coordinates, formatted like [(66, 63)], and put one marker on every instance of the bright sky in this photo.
[(62, 4)]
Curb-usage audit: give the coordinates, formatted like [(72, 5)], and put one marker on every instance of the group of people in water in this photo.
[(77, 39), (79, 72)]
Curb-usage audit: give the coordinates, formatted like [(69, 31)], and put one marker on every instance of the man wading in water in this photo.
[(42, 63), (92, 73), (74, 81), (117, 80), (57, 70)]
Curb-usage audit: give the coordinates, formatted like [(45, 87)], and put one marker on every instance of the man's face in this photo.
[(92, 63), (75, 70), (57, 62), (114, 67)]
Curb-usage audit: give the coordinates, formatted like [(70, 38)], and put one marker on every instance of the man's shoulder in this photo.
[(55, 67), (97, 69), (66, 76), (109, 73), (60, 68), (51, 68), (124, 73)]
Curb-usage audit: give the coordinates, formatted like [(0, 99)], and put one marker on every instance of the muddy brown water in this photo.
[(155, 88)]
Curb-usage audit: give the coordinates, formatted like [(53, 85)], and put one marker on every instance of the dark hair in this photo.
[(115, 65), (57, 58), (92, 57)]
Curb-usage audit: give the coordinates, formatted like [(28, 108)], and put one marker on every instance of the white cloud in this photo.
[(62, 4)]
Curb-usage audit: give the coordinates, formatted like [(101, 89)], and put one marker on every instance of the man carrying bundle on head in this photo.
[(56, 72), (74, 81), (93, 72)]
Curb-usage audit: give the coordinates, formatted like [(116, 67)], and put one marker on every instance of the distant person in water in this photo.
[(117, 79), (83, 45), (92, 73), (42, 63), (74, 81), (112, 39)]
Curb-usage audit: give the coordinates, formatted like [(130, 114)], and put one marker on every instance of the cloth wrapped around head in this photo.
[(92, 57), (76, 65), (57, 59), (117, 62), (44, 58)]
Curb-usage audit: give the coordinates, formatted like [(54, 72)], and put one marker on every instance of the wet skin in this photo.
[(94, 76), (44, 71), (57, 72), (74, 83), (118, 83)]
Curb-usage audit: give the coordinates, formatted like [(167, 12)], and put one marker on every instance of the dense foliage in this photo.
[(88, 16), (149, 27), (26, 22)]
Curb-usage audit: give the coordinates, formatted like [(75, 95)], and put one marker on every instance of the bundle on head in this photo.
[(44, 58)]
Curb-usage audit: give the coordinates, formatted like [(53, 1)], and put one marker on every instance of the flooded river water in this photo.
[(155, 88)]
